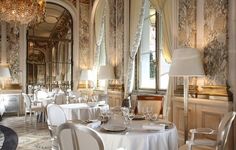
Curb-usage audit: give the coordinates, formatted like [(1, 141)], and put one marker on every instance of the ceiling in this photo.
[(51, 19)]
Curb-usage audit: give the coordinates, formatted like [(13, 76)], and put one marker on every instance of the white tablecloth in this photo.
[(141, 139), (81, 111), (45, 101)]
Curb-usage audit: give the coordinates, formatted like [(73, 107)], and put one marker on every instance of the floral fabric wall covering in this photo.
[(215, 50), (13, 54), (116, 37), (84, 35), (187, 23), (215, 36)]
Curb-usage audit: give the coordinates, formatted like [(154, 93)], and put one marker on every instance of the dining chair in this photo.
[(102, 99), (154, 102), (55, 117), (222, 135), (60, 98), (32, 107), (78, 137)]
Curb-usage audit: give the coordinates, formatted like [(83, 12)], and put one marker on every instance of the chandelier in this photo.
[(21, 11)]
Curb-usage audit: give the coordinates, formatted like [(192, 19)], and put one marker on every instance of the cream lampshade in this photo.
[(4, 74), (86, 75), (106, 73), (186, 62)]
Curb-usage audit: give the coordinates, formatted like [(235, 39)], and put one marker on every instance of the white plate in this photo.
[(114, 128)]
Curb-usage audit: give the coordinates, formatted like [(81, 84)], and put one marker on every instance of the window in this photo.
[(152, 69)]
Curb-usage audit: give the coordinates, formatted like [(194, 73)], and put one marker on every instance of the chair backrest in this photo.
[(153, 101), (223, 130), (103, 98), (56, 115), (27, 100), (79, 137), (60, 98), (41, 94)]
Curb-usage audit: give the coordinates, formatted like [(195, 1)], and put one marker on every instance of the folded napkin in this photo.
[(94, 125), (159, 127)]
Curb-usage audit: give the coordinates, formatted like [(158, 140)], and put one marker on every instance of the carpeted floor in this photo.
[(31, 136)]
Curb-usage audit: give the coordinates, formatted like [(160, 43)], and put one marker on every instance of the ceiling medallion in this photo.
[(22, 11)]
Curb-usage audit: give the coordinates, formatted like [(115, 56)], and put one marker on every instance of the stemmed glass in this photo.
[(103, 115), (148, 112), (131, 116)]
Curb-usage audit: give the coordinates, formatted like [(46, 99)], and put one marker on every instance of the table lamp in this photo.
[(86, 75), (4, 74), (186, 62), (106, 73)]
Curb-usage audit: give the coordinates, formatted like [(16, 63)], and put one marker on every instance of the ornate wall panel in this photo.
[(13, 54), (187, 23), (84, 35), (116, 43), (215, 48), (215, 36)]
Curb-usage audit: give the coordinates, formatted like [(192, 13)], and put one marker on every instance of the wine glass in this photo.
[(154, 117), (103, 115), (131, 115), (148, 112)]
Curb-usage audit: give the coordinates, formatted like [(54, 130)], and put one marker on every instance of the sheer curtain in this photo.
[(166, 10), (99, 30), (137, 8)]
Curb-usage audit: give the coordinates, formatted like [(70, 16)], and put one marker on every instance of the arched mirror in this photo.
[(49, 50)]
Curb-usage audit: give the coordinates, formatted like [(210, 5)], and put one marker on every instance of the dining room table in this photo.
[(83, 111), (139, 135)]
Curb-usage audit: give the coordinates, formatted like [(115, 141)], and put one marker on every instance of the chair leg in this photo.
[(30, 117), (42, 116), (55, 145), (189, 147), (25, 115)]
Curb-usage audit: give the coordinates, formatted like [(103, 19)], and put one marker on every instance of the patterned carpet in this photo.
[(31, 136)]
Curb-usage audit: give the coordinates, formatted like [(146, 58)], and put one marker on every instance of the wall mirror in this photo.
[(50, 49)]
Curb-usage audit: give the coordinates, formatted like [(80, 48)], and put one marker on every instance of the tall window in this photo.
[(152, 69)]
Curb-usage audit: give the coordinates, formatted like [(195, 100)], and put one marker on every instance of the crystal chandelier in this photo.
[(21, 11)]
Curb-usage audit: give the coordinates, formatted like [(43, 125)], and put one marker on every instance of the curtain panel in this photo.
[(137, 9), (99, 30), (166, 11)]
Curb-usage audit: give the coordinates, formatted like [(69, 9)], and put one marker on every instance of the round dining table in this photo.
[(82, 111), (136, 137)]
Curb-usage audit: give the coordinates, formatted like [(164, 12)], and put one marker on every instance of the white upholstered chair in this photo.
[(32, 107), (78, 137), (222, 135), (56, 117)]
